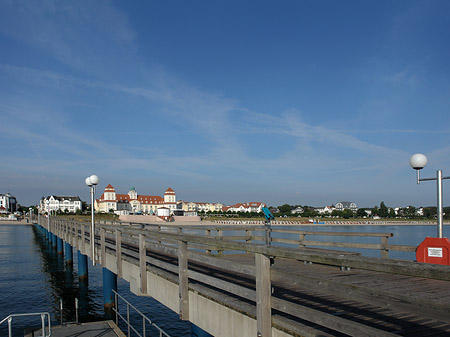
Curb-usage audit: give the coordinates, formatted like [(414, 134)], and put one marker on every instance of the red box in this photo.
[(434, 250)]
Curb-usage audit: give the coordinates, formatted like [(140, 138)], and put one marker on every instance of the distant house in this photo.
[(199, 206), (297, 210), (340, 206), (245, 207), (8, 202), (60, 203), (325, 210)]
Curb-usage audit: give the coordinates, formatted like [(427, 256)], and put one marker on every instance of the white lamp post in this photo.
[(92, 181), (418, 161)]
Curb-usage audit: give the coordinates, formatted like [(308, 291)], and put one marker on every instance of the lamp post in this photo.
[(418, 161), (92, 181)]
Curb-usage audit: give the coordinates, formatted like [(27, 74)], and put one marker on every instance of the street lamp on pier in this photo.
[(92, 181), (418, 161), (432, 250)]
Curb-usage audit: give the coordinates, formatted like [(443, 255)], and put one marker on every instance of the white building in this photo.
[(297, 210), (199, 206), (60, 203), (325, 210), (246, 207), (8, 203), (340, 206), (132, 202)]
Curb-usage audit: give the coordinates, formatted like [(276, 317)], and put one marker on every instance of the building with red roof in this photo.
[(132, 202)]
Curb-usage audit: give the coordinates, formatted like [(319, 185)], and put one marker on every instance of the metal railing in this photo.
[(145, 319), (42, 314)]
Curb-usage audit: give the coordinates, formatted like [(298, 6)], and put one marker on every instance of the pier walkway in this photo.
[(238, 286), (93, 329)]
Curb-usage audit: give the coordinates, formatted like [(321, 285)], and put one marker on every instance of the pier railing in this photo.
[(256, 233), (46, 328), (145, 320), (183, 257)]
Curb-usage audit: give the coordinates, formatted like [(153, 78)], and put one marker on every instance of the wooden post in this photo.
[(384, 249), (143, 263), (119, 252), (220, 237), (102, 247), (183, 280), (208, 234), (301, 238), (263, 296), (82, 248)]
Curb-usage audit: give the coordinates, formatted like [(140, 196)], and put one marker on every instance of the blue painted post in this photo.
[(68, 253), (82, 266), (109, 284), (59, 243), (54, 240)]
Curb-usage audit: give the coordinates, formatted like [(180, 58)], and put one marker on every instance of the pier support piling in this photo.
[(53, 240), (82, 266), (59, 244), (109, 284), (68, 253)]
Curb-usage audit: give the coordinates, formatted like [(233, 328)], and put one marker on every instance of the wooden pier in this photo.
[(236, 285)]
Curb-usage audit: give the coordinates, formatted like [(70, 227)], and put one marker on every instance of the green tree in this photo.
[(337, 213), (391, 213), (375, 211), (383, 210), (430, 212), (361, 212), (410, 212), (347, 213), (285, 209)]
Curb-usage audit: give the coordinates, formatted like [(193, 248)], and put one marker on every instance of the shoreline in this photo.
[(15, 222)]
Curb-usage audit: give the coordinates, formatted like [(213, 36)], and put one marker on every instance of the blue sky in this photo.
[(299, 102)]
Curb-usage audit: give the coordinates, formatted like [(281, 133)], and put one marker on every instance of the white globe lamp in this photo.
[(418, 161)]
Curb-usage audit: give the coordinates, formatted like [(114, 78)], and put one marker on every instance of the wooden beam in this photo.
[(102, 247), (183, 280), (143, 263), (119, 252), (263, 296), (83, 243)]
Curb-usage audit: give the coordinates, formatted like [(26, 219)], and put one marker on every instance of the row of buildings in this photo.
[(132, 202), (339, 206)]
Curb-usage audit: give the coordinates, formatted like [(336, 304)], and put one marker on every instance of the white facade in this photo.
[(246, 207), (340, 206), (8, 203), (325, 210), (199, 206), (60, 203), (297, 210)]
